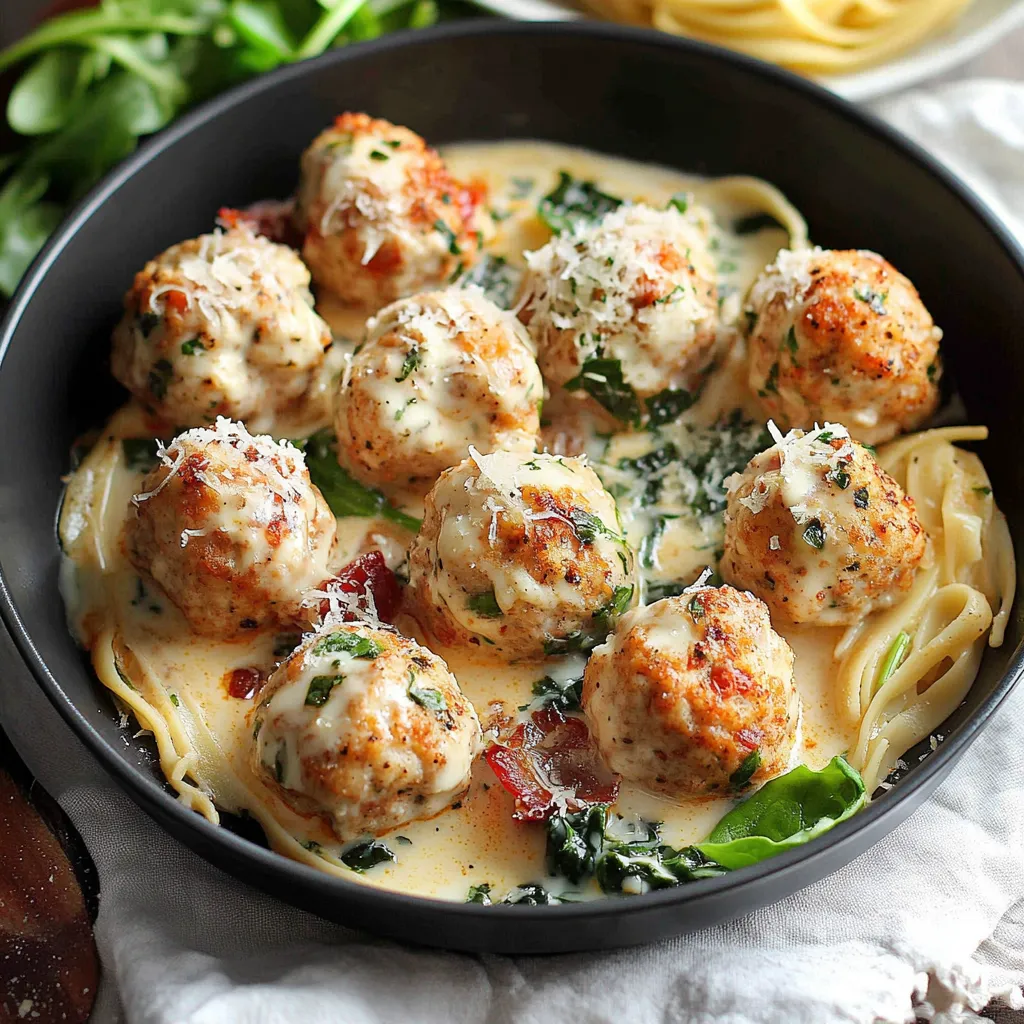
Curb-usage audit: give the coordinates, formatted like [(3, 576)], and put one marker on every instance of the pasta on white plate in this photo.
[(580, 568), (822, 37)]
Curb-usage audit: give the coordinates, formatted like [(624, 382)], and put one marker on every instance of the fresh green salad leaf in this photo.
[(345, 495), (573, 202), (94, 81), (603, 380), (786, 812)]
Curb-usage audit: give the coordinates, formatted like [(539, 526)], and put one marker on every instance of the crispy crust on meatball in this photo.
[(842, 335), (819, 531), (521, 553), (687, 689), (220, 325), (366, 728), (231, 528), (438, 372), (380, 215)]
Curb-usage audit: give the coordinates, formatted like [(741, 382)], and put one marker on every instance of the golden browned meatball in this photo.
[(367, 728), (637, 287), (819, 531), (842, 335), (232, 529), (380, 214), (523, 553), (220, 325), (437, 373), (694, 695)]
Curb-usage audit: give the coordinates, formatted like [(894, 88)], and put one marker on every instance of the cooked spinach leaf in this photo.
[(497, 277), (366, 855), (602, 379), (573, 202)]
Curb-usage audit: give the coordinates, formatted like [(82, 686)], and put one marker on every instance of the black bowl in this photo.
[(631, 93)]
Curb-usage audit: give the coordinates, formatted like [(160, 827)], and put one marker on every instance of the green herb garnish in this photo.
[(366, 855), (602, 379), (573, 202), (485, 605), (344, 642), (320, 688)]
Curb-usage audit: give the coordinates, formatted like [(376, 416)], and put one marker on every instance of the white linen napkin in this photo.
[(930, 921)]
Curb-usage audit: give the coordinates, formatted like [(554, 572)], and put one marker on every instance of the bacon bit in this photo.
[(550, 763), (368, 572), (244, 683), (271, 218), (178, 301)]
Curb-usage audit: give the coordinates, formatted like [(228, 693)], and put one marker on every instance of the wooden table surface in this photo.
[(48, 962)]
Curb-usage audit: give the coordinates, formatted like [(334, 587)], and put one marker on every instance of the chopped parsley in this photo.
[(344, 642), (320, 688), (876, 300), (413, 360), (159, 379), (860, 497), (192, 347), (376, 154), (480, 894), (174, 700), (573, 202), (680, 201), (814, 534), (564, 695), (449, 236), (621, 597), (485, 605), (432, 700)]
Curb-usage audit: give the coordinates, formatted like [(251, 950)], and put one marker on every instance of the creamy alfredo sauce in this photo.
[(670, 502)]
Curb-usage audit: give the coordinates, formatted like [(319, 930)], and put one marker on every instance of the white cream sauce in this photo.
[(185, 676)]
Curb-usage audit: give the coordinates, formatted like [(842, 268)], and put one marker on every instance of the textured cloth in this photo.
[(898, 930)]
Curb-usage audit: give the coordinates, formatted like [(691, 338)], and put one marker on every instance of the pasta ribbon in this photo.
[(816, 37)]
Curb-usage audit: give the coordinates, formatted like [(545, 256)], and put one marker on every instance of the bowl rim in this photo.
[(145, 791)]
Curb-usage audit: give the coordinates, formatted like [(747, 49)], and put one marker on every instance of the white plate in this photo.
[(982, 24)]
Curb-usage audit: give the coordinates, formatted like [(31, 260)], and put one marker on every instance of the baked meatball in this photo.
[(220, 325), (437, 373), (367, 728), (522, 552), (379, 213), (842, 335), (694, 695), (639, 287), (232, 529), (819, 531)]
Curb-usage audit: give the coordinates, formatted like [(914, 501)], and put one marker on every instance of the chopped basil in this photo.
[(366, 855), (192, 347), (344, 642), (755, 222), (814, 534), (139, 453), (345, 495), (412, 361), (742, 776), (159, 378), (449, 236), (602, 379), (573, 202), (668, 405), (480, 894), (485, 605), (432, 700), (860, 497), (320, 688)]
